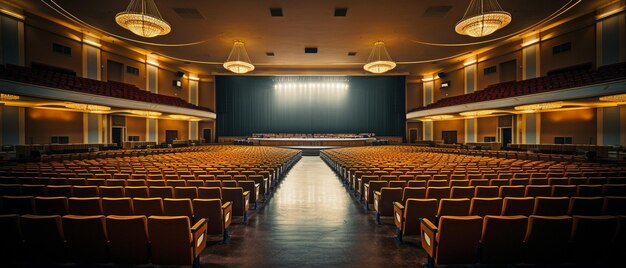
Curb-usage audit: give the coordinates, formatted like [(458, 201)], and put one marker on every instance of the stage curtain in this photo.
[(254, 104)]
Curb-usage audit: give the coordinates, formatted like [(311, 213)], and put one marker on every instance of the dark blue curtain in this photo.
[(264, 104)]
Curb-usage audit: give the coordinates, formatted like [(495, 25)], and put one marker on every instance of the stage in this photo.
[(312, 142)]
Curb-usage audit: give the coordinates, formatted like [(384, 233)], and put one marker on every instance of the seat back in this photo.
[(43, 237), (128, 239), (209, 193), (85, 206), (486, 191), (148, 206), (551, 206), (511, 191), (486, 206), (513, 206), (170, 240), (11, 237), (82, 248), (547, 239), (458, 239), (211, 209), (51, 205), (615, 205), (453, 207), (438, 192), (249, 186), (413, 192), (178, 207), (388, 196), (235, 195), (414, 210), (137, 191), (563, 190), (162, 191), (586, 206), (589, 190), (117, 206), (503, 239), (59, 190), (462, 192), (111, 191), (186, 192), (33, 190), (85, 191), (591, 238), (538, 190)]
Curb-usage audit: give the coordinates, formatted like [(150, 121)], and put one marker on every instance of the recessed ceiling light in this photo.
[(276, 12), (269, 54), (310, 50), (351, 53), (341, 12)]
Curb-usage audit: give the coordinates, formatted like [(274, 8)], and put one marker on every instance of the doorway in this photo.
[(117, 136), (412, 135), (508, 71), (449, 137), (115, 71), (506, 136), (170, 136), (206, 135)]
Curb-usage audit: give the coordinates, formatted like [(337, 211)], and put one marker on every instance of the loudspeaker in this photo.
[(442, 75), (180, 74)]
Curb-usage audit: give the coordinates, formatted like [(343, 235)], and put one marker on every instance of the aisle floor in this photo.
[(312, 221)]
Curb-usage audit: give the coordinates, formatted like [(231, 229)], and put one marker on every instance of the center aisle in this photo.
[(311, 221)]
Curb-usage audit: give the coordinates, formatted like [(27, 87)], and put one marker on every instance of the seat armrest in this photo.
[(227, 214), (377, 193), (246, 193), (398, 214), (428, 236), (199, 233), (398, 205)]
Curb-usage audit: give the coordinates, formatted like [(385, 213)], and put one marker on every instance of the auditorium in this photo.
[(346, 133)]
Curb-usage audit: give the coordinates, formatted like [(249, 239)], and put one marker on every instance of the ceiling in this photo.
[(309, 23)]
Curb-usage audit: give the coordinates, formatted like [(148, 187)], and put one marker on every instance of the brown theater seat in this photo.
[(413, 192), (209, 193), (512, 206), (240, 200), (174, 242), (148, 206), (85, 191), (486, 206), (161, 191), (85, 206), (547, 239), (384, 199), (111, 191), (117, 206), (136, 191), (51, 205), (43, 238), (218, 215), (591, 238), (17, 205), (407, 216), (86, 238), (11, 240), (454, 241), (502, 239), (586, 206), (128, 239), (453, 207), (178, 207), (186, 192), (551, 206)]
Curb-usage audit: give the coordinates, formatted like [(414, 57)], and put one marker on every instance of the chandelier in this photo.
[(8, 97), (379, 60), (540, 106), (614, 98), (87, 107), (478, 113), (238, 61), (482, 18), (142, 17)]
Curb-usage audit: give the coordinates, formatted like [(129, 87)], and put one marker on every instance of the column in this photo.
[(193, 99), (428, 84), (611, 48), (92, 128), (470, 76), (91, 57), (12, 127), (152, 74), (152, 129), (531, 128), (471, 130), (531, 57)]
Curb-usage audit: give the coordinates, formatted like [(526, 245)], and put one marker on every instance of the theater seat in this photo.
[(43, 238), (17, 205), (551, 206), (512, 206), (148, 206), (136, 191), (174, 241), (485, 206), (453, 207), (186, 192), (218, 215), (511, 191), (384, 199), (586, 206), (51, 205), (547, 239), (209, 193), (11, 240), (502, 239), (85, 191), (253, 188), (86, 238), (462, 192), (178, 207), (117, 206), (407, 216), (413, 192), (615, 205), (454, 241), (128, 239), (85, 206), (239, 199), (591, 238)]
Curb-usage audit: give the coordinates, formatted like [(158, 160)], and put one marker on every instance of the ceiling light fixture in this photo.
[(8, 97), (142, 17), (478, 113), (614, 98), (238, 61), (482, 18), (87, 107), (540, 106), (144, 113), (92, 43), (12, 14), (379, 60), (440, 117), (182, 117)]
